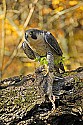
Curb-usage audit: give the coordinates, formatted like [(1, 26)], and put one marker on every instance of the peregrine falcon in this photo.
[(39, 43)]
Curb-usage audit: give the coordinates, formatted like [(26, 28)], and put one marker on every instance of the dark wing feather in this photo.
[(49, 38), (28, 51)]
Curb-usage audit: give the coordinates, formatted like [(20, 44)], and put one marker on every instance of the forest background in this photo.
[(63, 18)]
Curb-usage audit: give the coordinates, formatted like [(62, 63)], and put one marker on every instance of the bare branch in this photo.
[(30, 14)]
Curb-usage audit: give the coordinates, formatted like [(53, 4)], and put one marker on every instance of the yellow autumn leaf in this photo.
[(54, 2), (73, 2), (62, 0), (81, 8), (15, 34), (8, 32), (59, 9)]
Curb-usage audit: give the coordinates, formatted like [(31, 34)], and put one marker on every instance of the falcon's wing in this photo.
[(49, 38), (28, 51)]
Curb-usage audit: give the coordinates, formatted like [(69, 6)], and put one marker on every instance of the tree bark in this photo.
[(23, 100)]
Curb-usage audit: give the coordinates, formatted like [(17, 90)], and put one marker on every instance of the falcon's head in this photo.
[(34, 35)]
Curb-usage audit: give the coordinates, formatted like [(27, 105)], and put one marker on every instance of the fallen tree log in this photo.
[(23, 100)]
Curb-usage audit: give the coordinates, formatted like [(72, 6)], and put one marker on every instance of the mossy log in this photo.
[(22, 100)]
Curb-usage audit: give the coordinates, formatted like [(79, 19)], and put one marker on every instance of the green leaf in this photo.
[(43, 61)]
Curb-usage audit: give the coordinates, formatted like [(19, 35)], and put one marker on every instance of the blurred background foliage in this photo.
[(63, 18)]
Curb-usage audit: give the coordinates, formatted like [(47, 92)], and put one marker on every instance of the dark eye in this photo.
[(33, 35)]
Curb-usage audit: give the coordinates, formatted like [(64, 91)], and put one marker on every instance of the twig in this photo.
[(30, 14), (13, 11), (29, 17)]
